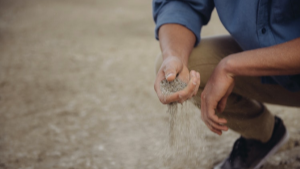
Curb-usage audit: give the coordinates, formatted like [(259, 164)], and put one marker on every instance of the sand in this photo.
[(183, 148), (76, 89)]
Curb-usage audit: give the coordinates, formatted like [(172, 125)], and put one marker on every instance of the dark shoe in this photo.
[(251, 154)]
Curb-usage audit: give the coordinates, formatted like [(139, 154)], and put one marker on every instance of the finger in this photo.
[(166, 99), (210, 109), (204, 114), (175, 97), (209, 115), (219, 132), (159, 78), (213, 117), (217, 126), (188, 91), (222, 103), (198, 84), (171, 71), (211, 128)]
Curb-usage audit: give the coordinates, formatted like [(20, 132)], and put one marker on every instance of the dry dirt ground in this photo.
[(76, 89)]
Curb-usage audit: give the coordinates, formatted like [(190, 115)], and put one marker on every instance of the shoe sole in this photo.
[(273, 151)]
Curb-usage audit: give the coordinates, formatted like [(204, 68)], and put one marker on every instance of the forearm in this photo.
[(282, 59), (176, 40)]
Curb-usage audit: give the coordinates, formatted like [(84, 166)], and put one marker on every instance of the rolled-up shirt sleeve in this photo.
[(192, 14)]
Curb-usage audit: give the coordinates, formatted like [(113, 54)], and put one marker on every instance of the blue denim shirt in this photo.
[(252, 23)]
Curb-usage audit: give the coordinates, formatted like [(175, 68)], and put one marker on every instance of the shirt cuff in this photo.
[(179, 13)]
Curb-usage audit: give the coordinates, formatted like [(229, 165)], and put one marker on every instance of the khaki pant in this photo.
[(244, 111)]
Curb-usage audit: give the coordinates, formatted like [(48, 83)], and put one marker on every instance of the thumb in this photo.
[(170, 72), (222, 103)]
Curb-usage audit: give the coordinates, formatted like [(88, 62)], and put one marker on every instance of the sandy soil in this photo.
[(76, 89)]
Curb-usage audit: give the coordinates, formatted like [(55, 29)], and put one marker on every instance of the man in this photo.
[(259, 62)]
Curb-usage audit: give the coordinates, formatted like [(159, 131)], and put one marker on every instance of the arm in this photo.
[(176, 42), (192, 14), (178, 25), (282, 59)]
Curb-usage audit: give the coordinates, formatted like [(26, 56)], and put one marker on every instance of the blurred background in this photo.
[(76, 88)]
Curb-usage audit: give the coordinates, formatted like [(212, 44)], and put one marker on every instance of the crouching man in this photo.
[(259, 62)]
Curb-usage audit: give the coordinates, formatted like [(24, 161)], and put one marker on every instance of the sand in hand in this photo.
[(183, 147)]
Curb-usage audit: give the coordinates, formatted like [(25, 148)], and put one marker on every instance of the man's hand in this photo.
[(171, 67), (176, 43), (214, 98)]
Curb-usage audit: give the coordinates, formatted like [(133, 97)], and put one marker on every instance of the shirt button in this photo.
[(263, 31)]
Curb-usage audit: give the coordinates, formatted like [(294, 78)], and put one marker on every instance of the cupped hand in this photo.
[(214, 98), (171, 68)]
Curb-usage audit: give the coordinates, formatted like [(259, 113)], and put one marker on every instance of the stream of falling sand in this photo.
[(183, 148)]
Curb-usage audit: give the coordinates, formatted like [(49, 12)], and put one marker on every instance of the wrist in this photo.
[(226, 65), (168, 54)]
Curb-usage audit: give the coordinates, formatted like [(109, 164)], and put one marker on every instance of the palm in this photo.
[(170, 68)]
